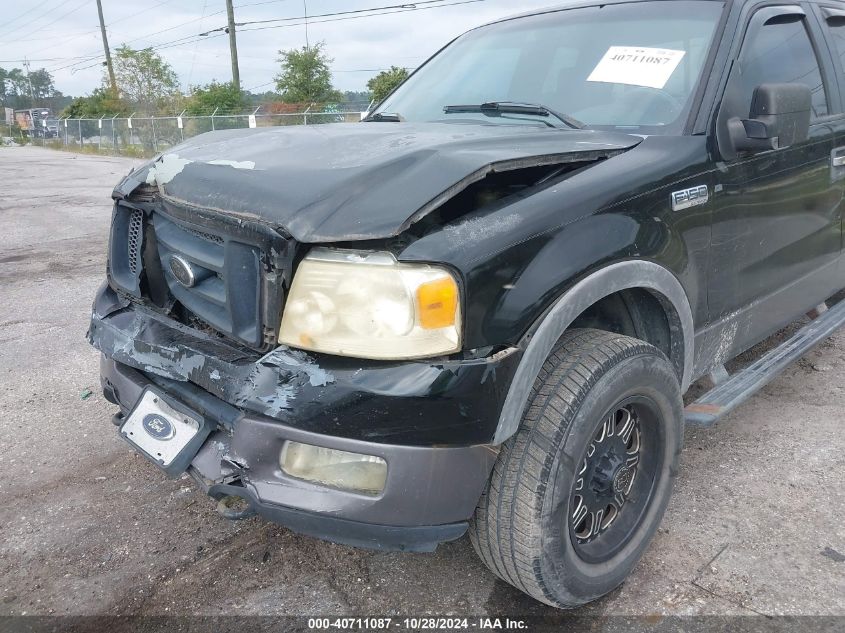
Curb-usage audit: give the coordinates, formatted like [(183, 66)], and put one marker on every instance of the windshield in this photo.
[(633, 66)]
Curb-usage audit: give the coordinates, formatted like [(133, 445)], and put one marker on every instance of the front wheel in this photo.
[(577, 494)]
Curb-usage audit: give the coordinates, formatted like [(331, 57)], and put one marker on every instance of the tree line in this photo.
[(147, 84), (20, 90)]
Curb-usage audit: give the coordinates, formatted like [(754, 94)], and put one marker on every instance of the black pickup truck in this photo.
[(479, 309)]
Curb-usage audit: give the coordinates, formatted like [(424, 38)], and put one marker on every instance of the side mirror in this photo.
[(780, 117)]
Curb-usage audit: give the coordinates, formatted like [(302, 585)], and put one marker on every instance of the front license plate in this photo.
[(160, 431)]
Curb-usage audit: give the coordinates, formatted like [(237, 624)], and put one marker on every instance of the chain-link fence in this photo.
[(147, 135)]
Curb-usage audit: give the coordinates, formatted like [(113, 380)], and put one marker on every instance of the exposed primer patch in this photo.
[(298, 362), (169, 166), (482, 228), (242, 164), (279, 401), (161, 360), (166, 169), (214, 375)]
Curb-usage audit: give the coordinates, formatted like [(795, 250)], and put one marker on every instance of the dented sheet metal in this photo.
[(341, 182), (415, 403), (143, 341)]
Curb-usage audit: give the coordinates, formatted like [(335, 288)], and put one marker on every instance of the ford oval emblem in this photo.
[(159, 427), (183, 271)]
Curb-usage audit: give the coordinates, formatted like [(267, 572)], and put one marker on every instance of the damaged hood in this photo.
[(342, 182)]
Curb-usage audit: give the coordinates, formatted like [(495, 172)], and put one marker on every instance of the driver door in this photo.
[(777, 222)]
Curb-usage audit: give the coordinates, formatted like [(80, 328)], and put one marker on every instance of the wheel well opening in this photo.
[(638, 313)]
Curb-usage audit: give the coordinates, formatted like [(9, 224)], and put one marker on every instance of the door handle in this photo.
[(837, 157)]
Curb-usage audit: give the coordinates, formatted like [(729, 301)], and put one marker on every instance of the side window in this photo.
[(779, 52), (836, 28)]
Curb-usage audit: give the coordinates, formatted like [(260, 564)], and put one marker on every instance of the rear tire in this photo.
[(578, 492)]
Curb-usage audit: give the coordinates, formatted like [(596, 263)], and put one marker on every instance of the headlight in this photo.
[(368, 305), (339, 469)]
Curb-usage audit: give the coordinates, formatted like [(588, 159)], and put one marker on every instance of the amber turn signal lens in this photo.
[(437, 303)]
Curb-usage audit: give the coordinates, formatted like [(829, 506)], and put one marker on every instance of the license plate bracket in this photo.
[(165, 431)]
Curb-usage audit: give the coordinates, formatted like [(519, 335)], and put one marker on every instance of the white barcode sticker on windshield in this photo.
[(649, 67)]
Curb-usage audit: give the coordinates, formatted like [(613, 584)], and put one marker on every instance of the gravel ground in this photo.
[(88, 527)]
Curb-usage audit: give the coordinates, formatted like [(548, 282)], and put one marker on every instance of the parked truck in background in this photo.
[(37, 122)]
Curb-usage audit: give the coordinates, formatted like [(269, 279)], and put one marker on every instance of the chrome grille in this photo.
[(227, 290), (236, 276)]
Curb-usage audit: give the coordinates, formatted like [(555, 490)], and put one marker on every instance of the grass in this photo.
[(130, 152)]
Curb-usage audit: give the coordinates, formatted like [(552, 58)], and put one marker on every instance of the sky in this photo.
[(63, 35)]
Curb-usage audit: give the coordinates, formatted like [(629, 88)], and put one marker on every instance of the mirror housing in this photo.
[(780, 117)]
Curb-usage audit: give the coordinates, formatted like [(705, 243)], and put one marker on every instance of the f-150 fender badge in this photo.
[(688, 198)]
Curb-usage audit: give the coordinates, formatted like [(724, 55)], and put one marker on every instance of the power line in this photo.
[(35, 19), (410, 9), (76, 70), (269, 83), (174, 43), (415, 5), (340, 16), (82, 60), (171, 28), (58, 19), (45, 59), (194, 55), (191, 39), (359, 70), (258, 4), (290, 22), (178, 43), (113, 22), (52, 38), (92, 55), (37, 6)]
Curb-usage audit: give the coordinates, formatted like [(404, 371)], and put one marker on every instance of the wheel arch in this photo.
[(614, 278)]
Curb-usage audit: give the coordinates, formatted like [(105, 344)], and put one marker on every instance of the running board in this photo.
[(732, 392)]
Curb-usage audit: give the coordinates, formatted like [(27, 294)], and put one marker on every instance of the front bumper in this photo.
[(432, 489), (442, 402)]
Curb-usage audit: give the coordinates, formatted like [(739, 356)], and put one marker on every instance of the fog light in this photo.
[(347, 471)]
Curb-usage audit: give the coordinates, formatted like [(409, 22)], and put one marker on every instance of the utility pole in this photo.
[(29, 79), (305, 7), (112, 81), (233, 45)]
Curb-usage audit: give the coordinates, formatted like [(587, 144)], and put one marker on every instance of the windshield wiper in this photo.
[(497, 108), (389, 117)]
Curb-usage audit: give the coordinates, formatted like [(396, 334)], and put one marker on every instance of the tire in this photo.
[(573, 451)]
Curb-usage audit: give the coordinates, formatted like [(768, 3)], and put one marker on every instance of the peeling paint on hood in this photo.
[(344, 181), (237, 164), (168, 166), (166, 169)]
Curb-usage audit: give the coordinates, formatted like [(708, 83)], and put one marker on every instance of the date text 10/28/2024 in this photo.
[(416, 624)]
